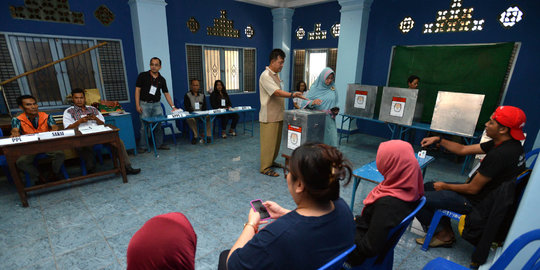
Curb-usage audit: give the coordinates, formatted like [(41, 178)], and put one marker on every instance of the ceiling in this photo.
[(284, 3)]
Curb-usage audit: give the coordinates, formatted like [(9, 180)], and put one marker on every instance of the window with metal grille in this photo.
[(102, 68), (232, 65), (309, 63)]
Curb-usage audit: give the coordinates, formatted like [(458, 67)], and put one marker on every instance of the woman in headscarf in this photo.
[(323, 96), (166, 241), (390, 201)]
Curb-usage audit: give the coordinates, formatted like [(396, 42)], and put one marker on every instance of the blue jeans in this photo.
[(149, 110), (444, 199)]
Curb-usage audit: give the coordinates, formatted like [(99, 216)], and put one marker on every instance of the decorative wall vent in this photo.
[(249, 31), (317, 33), (511, 16), (406, 25), (47, 10), (455, 19), (223, 27), (104, 15), (335, 30), (193, 25), (300, 33)]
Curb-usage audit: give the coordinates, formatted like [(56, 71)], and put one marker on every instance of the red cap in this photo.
[(513, 118)]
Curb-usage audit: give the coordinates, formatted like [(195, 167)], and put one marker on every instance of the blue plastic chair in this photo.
[(386, 260), (456, 216), (502, 262), (165, 125), (337, 262)]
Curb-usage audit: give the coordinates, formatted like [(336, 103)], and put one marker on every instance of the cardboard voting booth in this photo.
[(300, 126), (457, 112), (361, 100), (398, 105)]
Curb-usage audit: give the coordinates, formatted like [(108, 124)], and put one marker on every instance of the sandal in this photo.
[(270, 172), (223, 135), (232, 133), (278, 165)]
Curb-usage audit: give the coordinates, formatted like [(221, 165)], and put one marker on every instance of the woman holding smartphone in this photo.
[(309, 236)]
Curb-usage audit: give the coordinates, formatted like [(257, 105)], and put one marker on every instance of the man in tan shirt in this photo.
[(271, 113)]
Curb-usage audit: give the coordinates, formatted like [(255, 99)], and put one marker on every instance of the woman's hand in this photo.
[(254, 217), (275, 210)]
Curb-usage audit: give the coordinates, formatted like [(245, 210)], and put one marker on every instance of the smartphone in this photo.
[(258, 206)]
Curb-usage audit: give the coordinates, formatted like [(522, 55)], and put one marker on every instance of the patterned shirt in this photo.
[(16, 123), (74, 113)]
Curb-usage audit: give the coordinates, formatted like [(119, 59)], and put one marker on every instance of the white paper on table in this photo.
[(398, 106), (360, 98), (294, 137), (94, 129)]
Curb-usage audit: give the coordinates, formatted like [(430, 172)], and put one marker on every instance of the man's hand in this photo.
[(15, 133), (84, 119), (430, 140), (438, 186), (299, 95), (139, 109)]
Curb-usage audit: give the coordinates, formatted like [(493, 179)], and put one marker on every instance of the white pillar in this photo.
[(149, 22), (351, 46), (282, 40)]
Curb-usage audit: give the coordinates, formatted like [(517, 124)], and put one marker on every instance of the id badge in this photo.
[(197, 106), (223, 102), (153, 90)]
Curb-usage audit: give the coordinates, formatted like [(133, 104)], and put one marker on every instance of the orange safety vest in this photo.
[(28, 128)]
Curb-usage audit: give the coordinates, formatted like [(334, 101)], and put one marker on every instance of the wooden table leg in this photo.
[(11, 159), (121, 159)]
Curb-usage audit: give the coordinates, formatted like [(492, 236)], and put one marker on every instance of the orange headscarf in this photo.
[(397, 162)]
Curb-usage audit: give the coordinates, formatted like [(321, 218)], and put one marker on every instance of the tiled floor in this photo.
[(88, 225)]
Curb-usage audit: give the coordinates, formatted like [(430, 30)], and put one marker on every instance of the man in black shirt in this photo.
[(504, 160), (148, 90)]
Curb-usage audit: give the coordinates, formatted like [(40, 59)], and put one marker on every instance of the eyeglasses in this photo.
[(285, 171)]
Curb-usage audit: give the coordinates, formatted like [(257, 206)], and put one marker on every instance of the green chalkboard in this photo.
[(477, 69)]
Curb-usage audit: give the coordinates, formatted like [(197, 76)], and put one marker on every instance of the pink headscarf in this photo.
[(397, 162), (166, 241)]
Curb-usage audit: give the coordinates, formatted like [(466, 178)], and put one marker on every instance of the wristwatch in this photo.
[(292, 94)]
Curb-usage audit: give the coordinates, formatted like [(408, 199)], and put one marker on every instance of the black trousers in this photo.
[(222, 265)]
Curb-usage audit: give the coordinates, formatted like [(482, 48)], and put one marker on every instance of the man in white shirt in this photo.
[(271, 113), (79, 115)]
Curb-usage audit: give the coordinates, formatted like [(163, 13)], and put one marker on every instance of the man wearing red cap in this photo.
[(504, 160)]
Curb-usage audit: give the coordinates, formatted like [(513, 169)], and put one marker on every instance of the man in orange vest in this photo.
[(29, 122)]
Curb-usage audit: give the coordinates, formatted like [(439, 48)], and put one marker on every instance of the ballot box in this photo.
[(398, 105), (457, 112), (300, 126), (361, 100)]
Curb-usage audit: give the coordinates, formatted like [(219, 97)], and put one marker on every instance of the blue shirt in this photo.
[(296, 242)]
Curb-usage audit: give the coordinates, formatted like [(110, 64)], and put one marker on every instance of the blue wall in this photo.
[(179, 12), (120, 28), (383, 33)]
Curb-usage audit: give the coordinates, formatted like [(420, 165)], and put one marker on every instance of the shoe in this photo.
[(164, 147), (435, 242), (278, 165), (223, 135), (40, 181), (194, 140), (201, 141), (270, 172), (209, 140), (232, 133), (131, 170)]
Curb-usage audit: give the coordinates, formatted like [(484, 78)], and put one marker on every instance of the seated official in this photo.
[(33, 121), (79, 115), (219, 99), (315, 232), (195, 101), (504, 160), (166, 241), (390, 201)]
